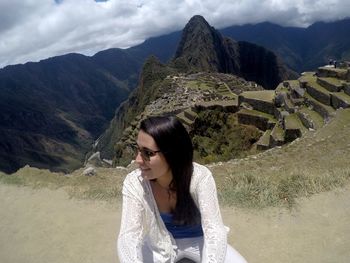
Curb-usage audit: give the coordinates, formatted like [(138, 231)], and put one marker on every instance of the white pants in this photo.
[(191, 248)]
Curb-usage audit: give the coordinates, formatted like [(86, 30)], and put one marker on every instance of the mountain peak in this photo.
[(199, 45), (198, 20), (203, 49)]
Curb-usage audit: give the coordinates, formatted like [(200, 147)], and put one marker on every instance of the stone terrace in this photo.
[(296, 105)]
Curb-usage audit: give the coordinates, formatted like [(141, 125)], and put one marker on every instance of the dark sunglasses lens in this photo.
[(146, 154)]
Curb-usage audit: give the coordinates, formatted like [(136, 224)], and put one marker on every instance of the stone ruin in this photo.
[(296, 105), (282, 115)]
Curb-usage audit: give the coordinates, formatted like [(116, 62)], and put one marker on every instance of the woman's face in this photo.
[(156, 167)]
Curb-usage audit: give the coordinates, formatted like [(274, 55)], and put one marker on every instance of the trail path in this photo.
[(46, 226)]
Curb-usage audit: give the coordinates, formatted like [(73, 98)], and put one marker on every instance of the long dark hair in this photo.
[(175, 144)]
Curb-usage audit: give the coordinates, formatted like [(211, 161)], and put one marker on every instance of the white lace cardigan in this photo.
[(141, 223)]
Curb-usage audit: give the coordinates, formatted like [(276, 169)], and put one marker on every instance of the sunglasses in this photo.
[(146, 153)]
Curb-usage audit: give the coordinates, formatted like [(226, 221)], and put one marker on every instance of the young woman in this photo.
[(170, 205)]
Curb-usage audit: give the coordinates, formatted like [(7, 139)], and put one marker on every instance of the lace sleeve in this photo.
[(215, 234), (130, 235)]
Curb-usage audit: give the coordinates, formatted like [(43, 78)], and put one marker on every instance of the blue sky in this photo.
[(31, 30)]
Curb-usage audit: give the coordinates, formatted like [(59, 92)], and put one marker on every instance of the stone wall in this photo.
[(223, 106), (346, 87), (264, 141), (260, 105), (318, 95), (275, 138), (329, 86), (307, 122), (338, 102), (325, 72), (260, 122), (319, 109)]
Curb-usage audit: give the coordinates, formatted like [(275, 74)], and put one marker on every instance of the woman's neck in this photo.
[(165, 180)]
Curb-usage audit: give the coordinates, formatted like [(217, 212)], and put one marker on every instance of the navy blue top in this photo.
[(181, 231)]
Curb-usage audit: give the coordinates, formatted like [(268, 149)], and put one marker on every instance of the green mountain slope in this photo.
[(51, 111)]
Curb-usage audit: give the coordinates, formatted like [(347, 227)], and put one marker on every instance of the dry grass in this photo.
[(319, 161), (105, 185)]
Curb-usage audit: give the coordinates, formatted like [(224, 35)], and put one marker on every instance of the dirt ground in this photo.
[(46, 226)]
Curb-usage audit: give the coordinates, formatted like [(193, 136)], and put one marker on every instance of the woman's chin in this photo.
[(147, 174)]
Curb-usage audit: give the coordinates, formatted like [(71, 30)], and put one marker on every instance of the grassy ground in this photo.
[(264, 95), (319, 161), (106, 185)]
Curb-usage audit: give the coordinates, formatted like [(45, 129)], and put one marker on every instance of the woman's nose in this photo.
[(138, 158)]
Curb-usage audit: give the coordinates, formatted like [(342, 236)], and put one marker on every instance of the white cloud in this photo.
[(31, 30)]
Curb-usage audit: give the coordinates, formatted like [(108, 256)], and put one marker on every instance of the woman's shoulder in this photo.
[(200, 172), (199, 168), (201, 176), (133, 178)]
